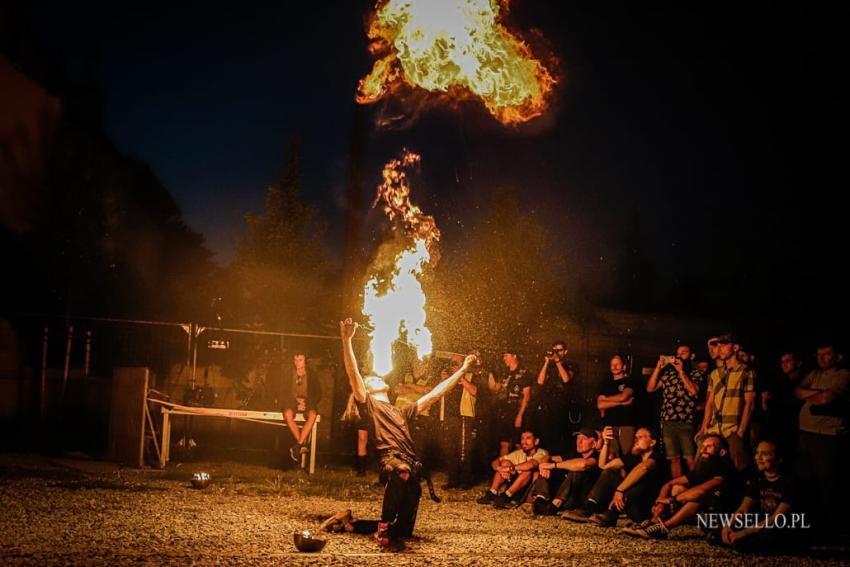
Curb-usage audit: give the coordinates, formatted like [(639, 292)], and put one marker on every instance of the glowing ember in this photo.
[(456, 47), (400, 309)]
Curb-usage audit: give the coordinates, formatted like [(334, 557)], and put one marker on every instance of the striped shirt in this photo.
[(728, 386)]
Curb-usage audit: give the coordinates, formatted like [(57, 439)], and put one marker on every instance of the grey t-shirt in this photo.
[(392, 426)]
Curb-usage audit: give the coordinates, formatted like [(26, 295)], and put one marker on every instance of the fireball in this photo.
[(459, 48)]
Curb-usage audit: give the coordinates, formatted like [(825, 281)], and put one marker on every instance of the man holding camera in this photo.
[(551, 397), (680, 385)]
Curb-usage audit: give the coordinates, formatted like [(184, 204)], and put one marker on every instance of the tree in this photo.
[(279, 277)]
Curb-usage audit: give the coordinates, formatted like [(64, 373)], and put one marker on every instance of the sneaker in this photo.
[(504, 501), (633, 525), (382, 536), (544, 508), (654, 531), (580, 515), (604, 520), (487, 498)]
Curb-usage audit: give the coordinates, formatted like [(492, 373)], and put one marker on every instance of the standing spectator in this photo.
[(573, 477), (822, 445), (301, 395), (551, 397), (615, 406), (680, 383), (782, 411), (459, 412), (516, 470), (513, 393), (730, 401)]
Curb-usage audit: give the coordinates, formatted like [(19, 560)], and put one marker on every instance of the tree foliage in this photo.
[(279, 277)]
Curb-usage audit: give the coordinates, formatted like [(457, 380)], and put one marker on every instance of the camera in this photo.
[(669, 359), (550, 352)]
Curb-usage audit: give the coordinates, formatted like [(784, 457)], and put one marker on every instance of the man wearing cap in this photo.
[(574, 477), (627, 483), (393, 439), (513, 392), (730, 401)]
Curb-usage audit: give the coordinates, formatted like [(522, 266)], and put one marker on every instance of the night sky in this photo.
[(710, 135)]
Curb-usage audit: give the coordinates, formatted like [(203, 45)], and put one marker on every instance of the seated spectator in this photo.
[(626, 484), (615, 406), (514, 470), (301, 395), (771, 495), (574, 477), (681, 498)]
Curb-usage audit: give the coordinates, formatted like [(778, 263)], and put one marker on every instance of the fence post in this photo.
[(43, 385), (67, 359)]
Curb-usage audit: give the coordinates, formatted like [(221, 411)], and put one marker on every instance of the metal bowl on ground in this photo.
[(200, 480), (304, 541)]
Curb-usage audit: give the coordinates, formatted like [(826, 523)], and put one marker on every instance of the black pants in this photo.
[(401, 496), (639, 498), (821, 463), (459, 450), (573, 487)]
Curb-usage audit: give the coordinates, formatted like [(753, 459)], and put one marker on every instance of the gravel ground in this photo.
[(90, 513)]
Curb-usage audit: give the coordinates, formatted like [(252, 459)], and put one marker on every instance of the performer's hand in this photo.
[(347, 328), (469, 361)]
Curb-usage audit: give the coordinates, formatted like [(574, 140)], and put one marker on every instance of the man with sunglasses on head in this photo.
[(730, 401)]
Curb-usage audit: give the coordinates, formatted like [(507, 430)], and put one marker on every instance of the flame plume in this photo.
[(458, 47), (400, 309)]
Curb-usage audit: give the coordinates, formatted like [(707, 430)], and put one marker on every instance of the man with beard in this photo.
[(680, 385), (626, 484), (679, 500), (515, 470), (393, 439), (574, 477)]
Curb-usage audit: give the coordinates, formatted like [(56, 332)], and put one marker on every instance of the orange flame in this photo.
[(401, 307), (455, 47)]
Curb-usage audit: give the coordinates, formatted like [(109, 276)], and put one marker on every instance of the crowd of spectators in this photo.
[(755, 460)]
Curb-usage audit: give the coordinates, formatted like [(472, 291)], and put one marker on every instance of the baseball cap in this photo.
[(587, 432)]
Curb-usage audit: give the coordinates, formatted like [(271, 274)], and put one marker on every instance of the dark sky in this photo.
[(710, 131)]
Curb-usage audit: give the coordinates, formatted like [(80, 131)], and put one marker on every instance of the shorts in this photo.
[(505, 418), (678, 439)]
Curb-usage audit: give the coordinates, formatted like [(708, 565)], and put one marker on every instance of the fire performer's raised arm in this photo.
[(347, 329), (443, 387)]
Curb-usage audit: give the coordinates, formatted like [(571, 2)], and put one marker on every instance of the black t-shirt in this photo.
[(513, 383), (554, 393), (706, 469), (391, 424), (769, 494), (618, 416)]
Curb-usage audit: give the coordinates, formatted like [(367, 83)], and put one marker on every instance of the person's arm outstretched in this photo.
[(347, 329), (443, 387)]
